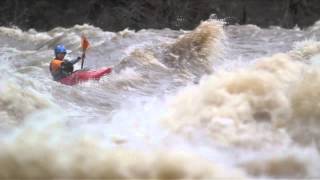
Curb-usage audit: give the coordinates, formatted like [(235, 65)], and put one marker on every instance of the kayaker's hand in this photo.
[(78, 58)]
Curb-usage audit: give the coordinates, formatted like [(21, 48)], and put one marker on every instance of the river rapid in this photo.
[(219, 101)]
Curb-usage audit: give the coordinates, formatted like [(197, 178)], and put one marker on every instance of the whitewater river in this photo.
[(216, 102)]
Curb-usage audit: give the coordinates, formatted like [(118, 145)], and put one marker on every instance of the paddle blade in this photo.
[(84, 42)]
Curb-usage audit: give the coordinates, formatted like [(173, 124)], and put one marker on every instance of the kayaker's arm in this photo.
[(67, 65), (75, 60)]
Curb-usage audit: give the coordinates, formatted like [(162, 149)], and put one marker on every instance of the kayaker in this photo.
[(59, 66)]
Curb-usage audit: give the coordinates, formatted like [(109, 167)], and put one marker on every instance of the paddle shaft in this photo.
[(84, 45), (83, 57)]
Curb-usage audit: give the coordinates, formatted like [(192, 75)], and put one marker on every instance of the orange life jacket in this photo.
[(55, 66), (56, 69), (60, 69)]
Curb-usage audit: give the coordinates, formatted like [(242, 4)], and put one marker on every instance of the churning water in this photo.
[(218, 101)]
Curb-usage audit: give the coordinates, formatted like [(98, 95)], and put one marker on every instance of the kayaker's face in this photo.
[(60, 56)]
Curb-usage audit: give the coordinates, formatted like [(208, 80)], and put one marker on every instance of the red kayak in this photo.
[(85, 75)]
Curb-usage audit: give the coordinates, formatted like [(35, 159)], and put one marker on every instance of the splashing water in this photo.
[(241, 101)]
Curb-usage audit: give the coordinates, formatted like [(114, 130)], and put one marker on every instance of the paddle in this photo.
[(84, 44)]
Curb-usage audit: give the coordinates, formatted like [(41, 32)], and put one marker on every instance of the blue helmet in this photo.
[(60, 49)]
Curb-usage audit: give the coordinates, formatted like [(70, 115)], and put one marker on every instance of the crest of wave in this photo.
[(34, 40), (275, 103), (195, 50), (305, 100), (32, 36), (295, 163), (249, 107), (305, 95), (48, 150), (71, 37), (17, 103)]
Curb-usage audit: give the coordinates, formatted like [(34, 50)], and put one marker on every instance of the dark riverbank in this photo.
[(114, 15)]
